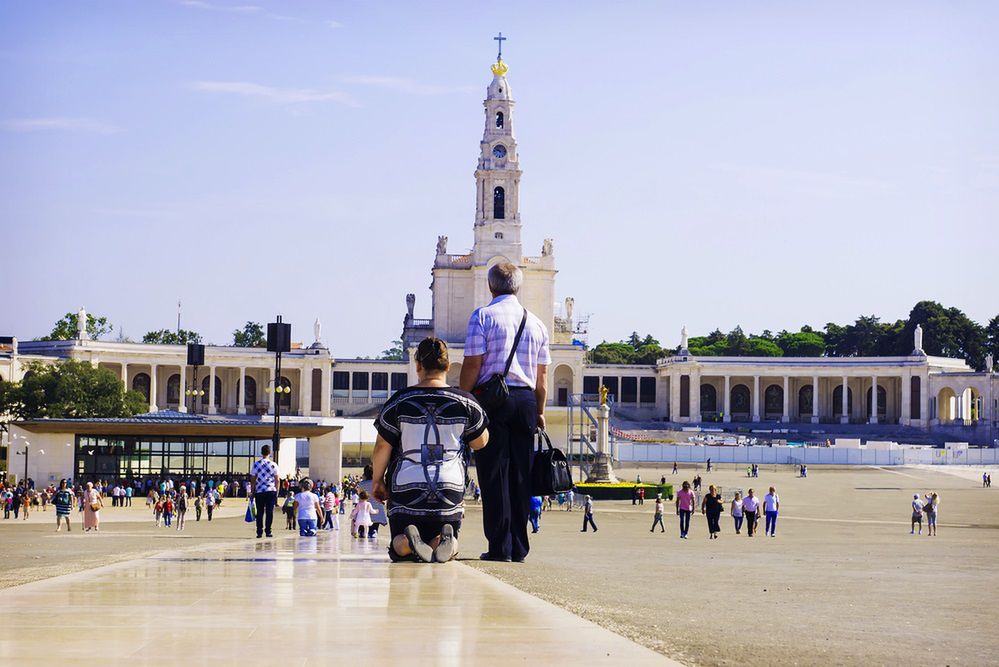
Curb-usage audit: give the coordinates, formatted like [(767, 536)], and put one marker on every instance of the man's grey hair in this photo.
[(505, 278)]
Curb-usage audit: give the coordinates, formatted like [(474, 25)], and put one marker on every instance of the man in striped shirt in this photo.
[(504, 468)]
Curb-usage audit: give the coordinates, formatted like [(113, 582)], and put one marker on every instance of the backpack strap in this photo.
[(516, 342)]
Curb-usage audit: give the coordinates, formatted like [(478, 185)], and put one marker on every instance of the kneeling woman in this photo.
[(425, 434)]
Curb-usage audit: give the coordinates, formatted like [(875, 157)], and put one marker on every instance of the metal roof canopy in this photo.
[(166, 427)]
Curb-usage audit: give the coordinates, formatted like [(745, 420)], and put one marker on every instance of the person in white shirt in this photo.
[(751, 511), (658, 518), (307, 509), (737, 512), (917, 514), (771, 503)]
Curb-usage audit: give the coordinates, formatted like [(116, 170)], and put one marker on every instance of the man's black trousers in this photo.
[(504, 469), (265, 501)]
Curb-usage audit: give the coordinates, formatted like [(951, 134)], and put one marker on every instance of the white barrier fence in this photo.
[(656, 453)]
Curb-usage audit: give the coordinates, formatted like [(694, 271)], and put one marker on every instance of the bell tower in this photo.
[(497, 177)]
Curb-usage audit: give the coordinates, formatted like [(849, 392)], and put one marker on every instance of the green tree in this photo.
[(69, 389), (801, 344), (757, 346), (167, 337), (992, 338), (612, 353), (393, 353), (251, 335), (66, 327), (947, 332)]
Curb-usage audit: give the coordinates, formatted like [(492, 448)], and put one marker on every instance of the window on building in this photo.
[(498, 236), (399, 381), (612, 388), (285, 396), (205, 386), (591, 384), (499, 203), (499, 119), (359, 381), (647, 390), (173, 389), (629, 390), (341, 383), (140, 383), (379, 385)]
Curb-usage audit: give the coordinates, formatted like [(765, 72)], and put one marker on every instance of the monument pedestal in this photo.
[(602, 471)]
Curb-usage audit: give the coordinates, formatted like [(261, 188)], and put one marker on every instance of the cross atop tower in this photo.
[(499, 40)]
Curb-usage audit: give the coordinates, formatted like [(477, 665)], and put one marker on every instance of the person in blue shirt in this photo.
[(535, 515)]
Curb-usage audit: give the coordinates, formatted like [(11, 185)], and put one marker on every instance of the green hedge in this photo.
[(623, 491)]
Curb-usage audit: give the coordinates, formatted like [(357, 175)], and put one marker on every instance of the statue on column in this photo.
[(547, 248), (603, 394), (989, 362), (683, 338), (917, 336), (441, 245), (569, 303), (317, 330), (410, 305), (81, 325)]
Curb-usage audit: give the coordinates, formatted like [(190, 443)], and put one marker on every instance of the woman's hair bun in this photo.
[(432, 354)]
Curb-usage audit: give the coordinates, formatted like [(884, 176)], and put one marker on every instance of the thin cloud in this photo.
[(59, 123), (246, 10), (334, 24), (406, 86), (274, 94)]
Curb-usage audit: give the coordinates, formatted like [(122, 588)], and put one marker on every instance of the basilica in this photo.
[(917, 395)]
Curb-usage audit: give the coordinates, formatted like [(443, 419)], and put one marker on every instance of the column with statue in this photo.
[(602, 470)]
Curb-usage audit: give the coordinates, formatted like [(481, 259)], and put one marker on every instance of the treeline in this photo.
[(947, 332)]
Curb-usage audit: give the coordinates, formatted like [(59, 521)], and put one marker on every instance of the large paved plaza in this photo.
[(842, 583)]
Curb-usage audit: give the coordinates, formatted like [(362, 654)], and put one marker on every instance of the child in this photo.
[(181, 507), (168, 507), (362, 514), (289, 511), (158, 510), (306, 507), (329, 510)]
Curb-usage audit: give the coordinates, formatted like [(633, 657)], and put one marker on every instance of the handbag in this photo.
[(250, 515), (493, 393), (550, 472)]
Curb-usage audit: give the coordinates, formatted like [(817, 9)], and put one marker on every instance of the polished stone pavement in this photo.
[(295, 601)]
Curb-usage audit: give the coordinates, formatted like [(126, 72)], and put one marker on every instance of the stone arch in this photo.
[(709, 398), (218, 392), (838, 401), (773, 400), (562, 382), (500, 120), (285, 397), (972, 410), (173, 389), (806, 396), (141, 384), (739, 399), (882, 402), (499, 203), (249, 393), (946, 405)]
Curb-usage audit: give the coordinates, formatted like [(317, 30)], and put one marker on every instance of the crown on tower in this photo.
[(499, 67)]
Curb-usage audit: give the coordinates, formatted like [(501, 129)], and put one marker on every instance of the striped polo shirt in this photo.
[(491, 332)]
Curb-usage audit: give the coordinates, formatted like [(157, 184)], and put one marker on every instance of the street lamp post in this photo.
[(278, 341), (24, 453), (195, 357)]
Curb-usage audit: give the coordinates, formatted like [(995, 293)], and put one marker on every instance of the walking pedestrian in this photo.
[(684, 508), (181, 507), (197, 508), (771, 504), (504, 339), (588, 514), (92, 505), (535, 517), (751, 510), (917, 514), (63, 501), (657, 519), (674, 468), (711, 507), (737, 512), (263, 478)]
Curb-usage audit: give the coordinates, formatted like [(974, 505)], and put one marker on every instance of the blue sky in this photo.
[(764, 164)]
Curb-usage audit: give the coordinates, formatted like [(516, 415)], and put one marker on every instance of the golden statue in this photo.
[(603, 394)]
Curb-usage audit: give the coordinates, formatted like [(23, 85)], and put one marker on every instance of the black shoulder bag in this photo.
[(550, 472), (493, 393)]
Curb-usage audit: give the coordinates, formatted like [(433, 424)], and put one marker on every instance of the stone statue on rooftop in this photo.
[(547, 248), (317, 330), (410, 304), (917, 336), (81, 325), (441, 245), (683, 338)]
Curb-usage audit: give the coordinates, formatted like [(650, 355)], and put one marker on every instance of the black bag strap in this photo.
[(543, 439), (516, 342)]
